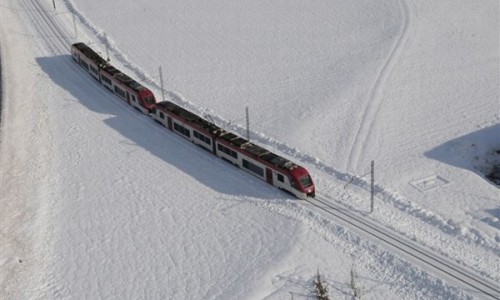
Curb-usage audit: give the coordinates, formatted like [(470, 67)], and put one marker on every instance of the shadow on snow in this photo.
[(477, 152)]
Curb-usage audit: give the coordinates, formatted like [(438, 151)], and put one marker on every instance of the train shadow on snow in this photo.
[(147, 134)]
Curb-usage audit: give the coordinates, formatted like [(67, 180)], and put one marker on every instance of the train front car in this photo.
[(303, 182), (147, 99)]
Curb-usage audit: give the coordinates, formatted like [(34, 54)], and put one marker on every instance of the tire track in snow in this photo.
[(375, 98)]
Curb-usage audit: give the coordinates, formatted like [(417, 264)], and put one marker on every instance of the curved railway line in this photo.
[(42, 18)]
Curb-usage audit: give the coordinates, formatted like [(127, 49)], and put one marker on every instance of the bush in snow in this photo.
[(320, 288)]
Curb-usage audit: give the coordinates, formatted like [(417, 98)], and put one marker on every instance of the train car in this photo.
[(199, 131), (113, 79), (252, 158), (88, 59)]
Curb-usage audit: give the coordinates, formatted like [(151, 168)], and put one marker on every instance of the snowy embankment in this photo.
[(113, 205)]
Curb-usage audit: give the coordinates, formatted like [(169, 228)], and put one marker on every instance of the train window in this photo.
[(254, 168), (149, 100), (202, 137), (134, 98), (305, 181), (94, 70), (106, 79), (227, 150), (120, 92), (162, 116), (182, 130), (281, 178), (84, 64)]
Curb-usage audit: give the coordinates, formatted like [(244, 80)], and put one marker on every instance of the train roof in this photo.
[(258, 151), (187, 115), (131, 83), (104, 65), (123, 78), (233, 139), (110, 69), (91, 54), (268, 156)]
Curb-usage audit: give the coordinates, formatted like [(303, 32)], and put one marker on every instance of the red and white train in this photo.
[(111, 78), (274, 169)]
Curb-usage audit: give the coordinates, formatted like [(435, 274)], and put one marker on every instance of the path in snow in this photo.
[(375, 99)]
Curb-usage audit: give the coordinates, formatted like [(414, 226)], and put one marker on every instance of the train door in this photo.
[(169, 122), (76, 57), (128, 97), (214, 144), (269, 176)]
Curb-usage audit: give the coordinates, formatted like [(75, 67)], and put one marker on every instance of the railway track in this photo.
[(408, 249), (42, 17)]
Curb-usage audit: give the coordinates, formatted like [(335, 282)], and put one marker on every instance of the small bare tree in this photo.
[(321, 289)]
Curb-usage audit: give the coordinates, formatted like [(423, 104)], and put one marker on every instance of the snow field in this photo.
[(117, 206)]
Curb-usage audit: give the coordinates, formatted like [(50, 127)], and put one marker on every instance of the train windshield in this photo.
[(149, 100), (305, 181)]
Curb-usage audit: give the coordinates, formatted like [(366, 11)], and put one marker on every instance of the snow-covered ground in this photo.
[(99, 202)]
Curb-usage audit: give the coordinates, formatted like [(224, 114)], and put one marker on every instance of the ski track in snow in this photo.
[(373, 102), (375, 99)]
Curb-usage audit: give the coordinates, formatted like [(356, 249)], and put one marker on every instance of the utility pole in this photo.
[(54, 4), (248, 123), (161, 84), (74, 25), (107, 52), (372, 185)]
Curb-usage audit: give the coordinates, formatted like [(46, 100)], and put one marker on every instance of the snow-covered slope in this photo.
[(98, 201), (343, 82)]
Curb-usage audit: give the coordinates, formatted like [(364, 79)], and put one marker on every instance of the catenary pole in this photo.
[(248, 122), (161, 84), (74, 25), (372, 185)]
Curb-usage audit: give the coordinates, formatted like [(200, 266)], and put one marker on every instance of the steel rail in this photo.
[(50, 24)]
